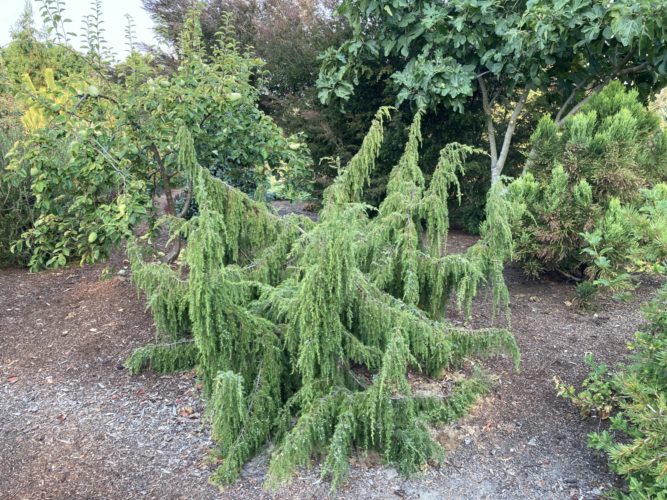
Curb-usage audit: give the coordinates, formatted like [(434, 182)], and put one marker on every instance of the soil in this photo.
[(75, 424)]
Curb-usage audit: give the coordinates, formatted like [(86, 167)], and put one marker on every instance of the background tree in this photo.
[(288, 37), (115, 128), (169, 17), (30, 52), (498, 52)]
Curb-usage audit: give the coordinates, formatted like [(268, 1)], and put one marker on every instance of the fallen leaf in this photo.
[(61, 417), (12, 379), (49, 380), (185, 411)]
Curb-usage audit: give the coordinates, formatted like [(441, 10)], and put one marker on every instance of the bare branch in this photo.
[(569, 99), (633, 69)]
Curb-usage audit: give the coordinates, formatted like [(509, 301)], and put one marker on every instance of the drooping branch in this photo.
[(188, 199)]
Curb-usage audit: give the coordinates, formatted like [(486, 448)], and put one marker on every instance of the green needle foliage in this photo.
[(164, 358), (306, 332)]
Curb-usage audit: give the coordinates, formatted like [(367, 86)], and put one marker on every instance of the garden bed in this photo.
[(75, 424)]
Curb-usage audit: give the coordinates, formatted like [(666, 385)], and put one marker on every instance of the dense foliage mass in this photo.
[(113, 130), (498, 51), (288, 36), (588, 193), (637, 396), (307, 333), (16, 211)]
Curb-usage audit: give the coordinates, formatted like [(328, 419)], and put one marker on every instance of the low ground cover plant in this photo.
[(634, 399)]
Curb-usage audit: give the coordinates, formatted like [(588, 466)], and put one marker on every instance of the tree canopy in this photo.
[(498, 51)]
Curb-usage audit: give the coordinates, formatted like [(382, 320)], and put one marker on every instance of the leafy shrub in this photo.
[(610, 248), (16, 201), (649, 228), (637, 440), (597, 399), (626, 239), (98, 149), (584, 177)]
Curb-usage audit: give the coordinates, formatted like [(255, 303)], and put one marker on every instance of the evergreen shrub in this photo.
[(308, 333), (636, 442), (583, 176)]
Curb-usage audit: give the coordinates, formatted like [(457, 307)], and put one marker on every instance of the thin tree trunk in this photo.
[(509, 134), (498, 160), (166, 183), (490, 128)]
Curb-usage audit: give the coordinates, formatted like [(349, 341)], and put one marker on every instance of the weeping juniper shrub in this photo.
[(306, 332), (164, 358)]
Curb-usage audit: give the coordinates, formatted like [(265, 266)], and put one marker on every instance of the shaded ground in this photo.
[(74, 424)]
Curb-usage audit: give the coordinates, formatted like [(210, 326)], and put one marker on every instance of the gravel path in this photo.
[(74, 425)]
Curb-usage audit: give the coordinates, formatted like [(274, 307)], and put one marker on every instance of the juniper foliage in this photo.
[(306, 332), (164, 358)]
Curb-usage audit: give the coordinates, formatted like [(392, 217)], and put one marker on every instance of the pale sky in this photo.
[(113, 15)]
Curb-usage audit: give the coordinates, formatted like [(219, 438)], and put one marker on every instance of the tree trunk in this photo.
[(498, 160)]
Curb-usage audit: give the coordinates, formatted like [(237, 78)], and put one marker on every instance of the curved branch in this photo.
[(509, 133)]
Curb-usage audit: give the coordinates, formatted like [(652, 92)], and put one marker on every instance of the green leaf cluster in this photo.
[(104, 144), (435, 51)]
